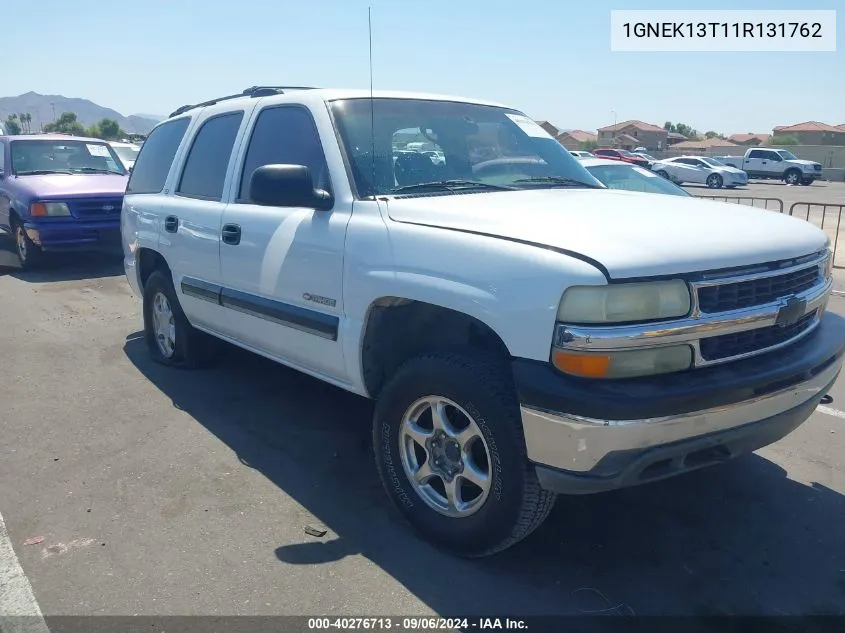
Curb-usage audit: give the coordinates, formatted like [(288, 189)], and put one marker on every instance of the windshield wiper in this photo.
[(42, 172), (450, 185), (563, 181), (95, 170)]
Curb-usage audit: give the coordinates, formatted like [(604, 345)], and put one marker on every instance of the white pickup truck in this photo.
[(777, 164), (525, 331)]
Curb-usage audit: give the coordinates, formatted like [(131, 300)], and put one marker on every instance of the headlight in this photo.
[(49, 209), (621, 303), (623, 364), (827, 271)]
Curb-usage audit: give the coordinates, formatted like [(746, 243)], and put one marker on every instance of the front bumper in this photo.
[(74, 234), (588, 436)]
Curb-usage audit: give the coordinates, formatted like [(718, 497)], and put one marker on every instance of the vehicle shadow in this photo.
[(741, 538), (61, 266)]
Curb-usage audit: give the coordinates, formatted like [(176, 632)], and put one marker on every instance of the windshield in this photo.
[(787, 154), (477, 147), (64, 157), (633, 178), (712, 162), (127, 153)]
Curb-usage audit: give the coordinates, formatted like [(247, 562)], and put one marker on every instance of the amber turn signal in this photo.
[(586, 365)]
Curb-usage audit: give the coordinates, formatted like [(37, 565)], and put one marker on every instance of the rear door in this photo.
[(190, 217), (756, 162), (687, 171)]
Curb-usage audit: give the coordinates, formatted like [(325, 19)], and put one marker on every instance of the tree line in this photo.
[(67, 123)]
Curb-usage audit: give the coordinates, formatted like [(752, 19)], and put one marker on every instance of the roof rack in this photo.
[(254, 92)]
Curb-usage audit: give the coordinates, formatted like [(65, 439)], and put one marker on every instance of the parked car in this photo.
[(615, 174), (701, 170), (59, 192), (648, 157), (580, 153), (776, 164), (620, 154), (127, 152), (523, 330)]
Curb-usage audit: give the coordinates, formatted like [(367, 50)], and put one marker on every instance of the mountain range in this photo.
[(43, 107)]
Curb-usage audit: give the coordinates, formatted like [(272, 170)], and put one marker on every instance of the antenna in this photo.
[(372, 103)]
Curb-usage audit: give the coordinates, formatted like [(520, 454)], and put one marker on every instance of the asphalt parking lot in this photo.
[(165, 492)]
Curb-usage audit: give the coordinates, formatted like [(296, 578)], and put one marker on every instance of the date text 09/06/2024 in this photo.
[(723, 29), (416, 623)]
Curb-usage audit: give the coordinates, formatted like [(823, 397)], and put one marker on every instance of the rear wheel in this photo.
[(449, 448), (29, 253), (714, 181), (171, 339)]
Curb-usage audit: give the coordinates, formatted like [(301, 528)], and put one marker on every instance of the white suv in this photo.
[(525, 331)]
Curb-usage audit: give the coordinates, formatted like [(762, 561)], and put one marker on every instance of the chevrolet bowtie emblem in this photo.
[(791, 311)]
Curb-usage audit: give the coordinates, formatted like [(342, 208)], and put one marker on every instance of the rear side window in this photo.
[(208, 158), (756, 153), (284, 135), (150, 170)]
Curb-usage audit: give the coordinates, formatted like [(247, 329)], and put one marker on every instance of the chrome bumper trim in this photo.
[(578, 444)]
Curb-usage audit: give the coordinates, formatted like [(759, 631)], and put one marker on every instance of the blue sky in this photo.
[(549, 58)]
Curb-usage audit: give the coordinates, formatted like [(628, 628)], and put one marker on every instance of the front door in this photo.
[(282, 268)]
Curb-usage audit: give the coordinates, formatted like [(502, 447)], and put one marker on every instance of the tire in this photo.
[(792, 177), (30, 255), (663, 174), (807, 182), (186, 347), (714, 181), (481, 388)]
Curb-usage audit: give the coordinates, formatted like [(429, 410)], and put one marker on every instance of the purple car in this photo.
[(60, 192)]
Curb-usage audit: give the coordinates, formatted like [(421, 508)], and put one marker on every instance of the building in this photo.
[(576, 139), (673, 138), (702, 147), (812, 133), (646, 135), (749, 140)]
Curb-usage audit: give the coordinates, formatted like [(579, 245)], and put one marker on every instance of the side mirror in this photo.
[(287, 186)]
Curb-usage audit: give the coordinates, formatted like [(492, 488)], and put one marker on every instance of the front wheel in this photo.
[(29, 253), (450, 452), (714, 181), (807, 182), (663, 174), (792, 177)]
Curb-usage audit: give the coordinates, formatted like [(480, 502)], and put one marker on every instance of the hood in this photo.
[(56, 186), (730, 170), (630, 234), (801, 161)]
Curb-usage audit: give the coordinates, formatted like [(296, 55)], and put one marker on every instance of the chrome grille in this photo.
[(754, 292), (728, 345), (96, 207)]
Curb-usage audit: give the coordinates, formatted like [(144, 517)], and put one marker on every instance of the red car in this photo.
[(621, 154)]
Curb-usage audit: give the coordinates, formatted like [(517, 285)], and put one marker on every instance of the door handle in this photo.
[(171, 224), (231, 234)]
